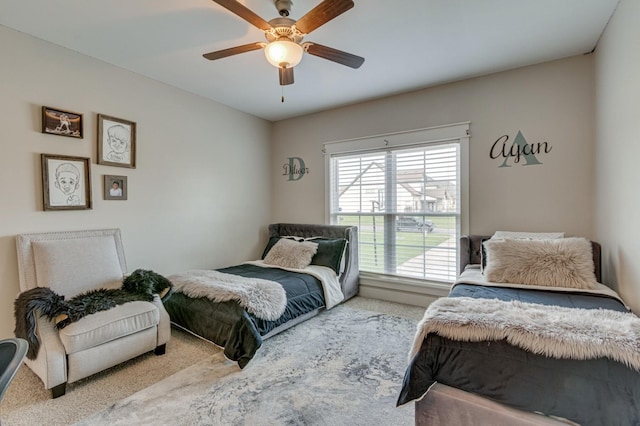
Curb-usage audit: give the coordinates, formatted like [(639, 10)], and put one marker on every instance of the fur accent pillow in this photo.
[(291, 254), (517, 235), (566, 262), (273, 240)]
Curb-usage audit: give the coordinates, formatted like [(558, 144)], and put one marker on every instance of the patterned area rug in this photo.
[(343, 367)]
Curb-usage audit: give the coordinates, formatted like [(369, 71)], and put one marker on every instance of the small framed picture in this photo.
[(116, 142), (62, 123), (115, 187), (66, 183)]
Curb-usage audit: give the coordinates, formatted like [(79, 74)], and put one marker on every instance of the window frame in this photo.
[(399, 140)]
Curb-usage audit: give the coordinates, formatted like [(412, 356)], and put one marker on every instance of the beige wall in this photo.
[(202, 176), (551, 102), (618, 150)]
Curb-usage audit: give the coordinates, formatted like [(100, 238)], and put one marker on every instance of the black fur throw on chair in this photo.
[(140, 285)]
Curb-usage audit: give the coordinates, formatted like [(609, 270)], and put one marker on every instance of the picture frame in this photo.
[(115, 187), (66, 182), (62, 123), (116, 142)]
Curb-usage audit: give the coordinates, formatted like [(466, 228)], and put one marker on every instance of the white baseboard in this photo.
[(401, 291), (396, 296)]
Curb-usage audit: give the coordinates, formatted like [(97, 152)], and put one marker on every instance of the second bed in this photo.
[(241, 320)]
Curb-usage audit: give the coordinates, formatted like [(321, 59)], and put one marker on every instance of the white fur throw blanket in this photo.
[(553, 331), (263, 298)]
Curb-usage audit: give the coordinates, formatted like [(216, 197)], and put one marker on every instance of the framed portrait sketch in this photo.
[(62, 123), (66, 183), (116, 142), (115, 187)]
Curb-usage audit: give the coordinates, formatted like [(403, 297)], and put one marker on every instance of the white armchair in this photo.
[(70, 263)]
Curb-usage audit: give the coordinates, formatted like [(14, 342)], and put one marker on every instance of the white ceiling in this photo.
[(407, 45)]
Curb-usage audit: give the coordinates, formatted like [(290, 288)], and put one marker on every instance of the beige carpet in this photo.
[(27, 403)]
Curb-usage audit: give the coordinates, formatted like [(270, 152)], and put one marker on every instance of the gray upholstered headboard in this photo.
[(349, 280), (471, 252)]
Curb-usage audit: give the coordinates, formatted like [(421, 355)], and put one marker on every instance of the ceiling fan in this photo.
[(284, 47)]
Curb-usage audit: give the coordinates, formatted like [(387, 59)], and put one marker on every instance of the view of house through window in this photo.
[(406, 204)]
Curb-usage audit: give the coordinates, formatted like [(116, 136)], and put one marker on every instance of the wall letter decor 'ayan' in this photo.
[(519, 149), (295, 168)]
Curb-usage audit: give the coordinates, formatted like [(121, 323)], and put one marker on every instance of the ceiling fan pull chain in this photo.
[(282, 98)]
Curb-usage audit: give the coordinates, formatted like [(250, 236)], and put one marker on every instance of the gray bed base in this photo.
[(446, 406)]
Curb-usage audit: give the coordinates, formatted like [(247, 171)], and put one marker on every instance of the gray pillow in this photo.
[(330, 250)]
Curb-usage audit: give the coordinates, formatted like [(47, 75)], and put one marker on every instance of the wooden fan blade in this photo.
[(321, 14), (334, 55), (286, 76), (233, 51), (245, 13)]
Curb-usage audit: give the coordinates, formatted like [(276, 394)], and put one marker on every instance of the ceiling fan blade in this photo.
[(286, 76), (245, 13), (218, 54), (321, 14), (334, 55)]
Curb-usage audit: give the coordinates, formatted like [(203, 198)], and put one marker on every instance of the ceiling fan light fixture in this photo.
[(283, 52)]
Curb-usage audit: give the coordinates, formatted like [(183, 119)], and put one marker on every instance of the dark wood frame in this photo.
[(49, 184), (108, 183), (103, 145), (50, 117)]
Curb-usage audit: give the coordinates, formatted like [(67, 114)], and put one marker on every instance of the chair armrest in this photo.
[(164, 322), (51, 362)]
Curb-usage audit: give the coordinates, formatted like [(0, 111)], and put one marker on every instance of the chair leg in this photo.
[(58, 391), (160, 350)]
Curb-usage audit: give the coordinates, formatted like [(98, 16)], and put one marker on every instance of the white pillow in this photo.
[(562, 262), (291, 254), (70, 267), (529, 235)]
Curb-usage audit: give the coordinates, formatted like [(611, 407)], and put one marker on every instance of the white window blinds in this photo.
[(405, 200)]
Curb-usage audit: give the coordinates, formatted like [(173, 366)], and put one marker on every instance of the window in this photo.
[(405, 197)]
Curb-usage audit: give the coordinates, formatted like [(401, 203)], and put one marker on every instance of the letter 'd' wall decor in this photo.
[(295, 168)]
